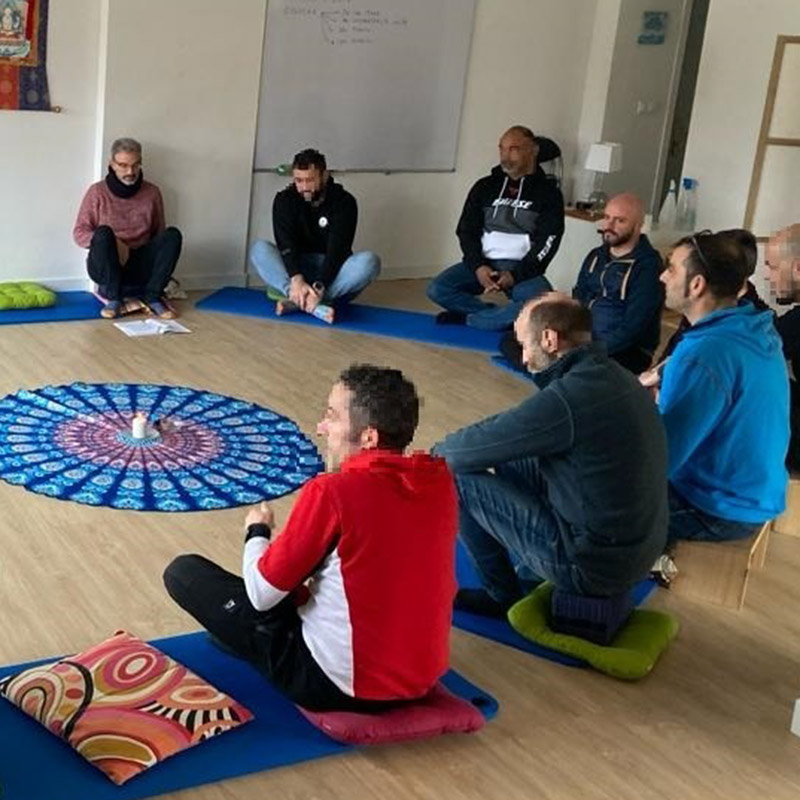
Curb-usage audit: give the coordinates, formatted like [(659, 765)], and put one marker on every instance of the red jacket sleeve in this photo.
[(310, 534)]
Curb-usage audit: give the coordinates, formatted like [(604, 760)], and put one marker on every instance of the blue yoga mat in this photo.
[(36, 765), (69, 306), (358, 318), (505, 364), (501, 631)]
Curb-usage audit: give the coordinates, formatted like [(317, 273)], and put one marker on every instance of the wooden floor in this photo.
[(711, 721)]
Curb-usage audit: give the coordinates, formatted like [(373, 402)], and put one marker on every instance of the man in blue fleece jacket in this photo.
[(724, 398)]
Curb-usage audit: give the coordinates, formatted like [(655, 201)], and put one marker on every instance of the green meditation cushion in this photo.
[(633, 653), (25, 295)]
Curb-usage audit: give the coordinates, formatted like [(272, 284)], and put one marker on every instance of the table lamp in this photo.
[(603, 157)]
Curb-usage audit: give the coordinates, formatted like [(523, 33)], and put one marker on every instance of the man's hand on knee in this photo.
[(485, 275), (504, 280)]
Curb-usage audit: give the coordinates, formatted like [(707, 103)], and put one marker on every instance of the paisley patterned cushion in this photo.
[(123, 705)]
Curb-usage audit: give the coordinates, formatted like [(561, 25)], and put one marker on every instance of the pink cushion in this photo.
[(439, 711)]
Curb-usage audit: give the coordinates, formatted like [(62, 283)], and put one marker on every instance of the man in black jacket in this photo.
[(312, 263), (578, 491), (509, 231)]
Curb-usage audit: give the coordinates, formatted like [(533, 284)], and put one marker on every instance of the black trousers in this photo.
[(147, 271), (270, 640), (633, 359)]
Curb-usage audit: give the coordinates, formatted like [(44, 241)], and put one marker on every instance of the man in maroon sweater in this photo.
[(121, 222)]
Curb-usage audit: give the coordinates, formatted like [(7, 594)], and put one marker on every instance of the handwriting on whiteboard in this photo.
[(340, 23)]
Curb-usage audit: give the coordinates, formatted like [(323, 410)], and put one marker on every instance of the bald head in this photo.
[(621, 226), (518, 151), (783, 264), (550, 326)]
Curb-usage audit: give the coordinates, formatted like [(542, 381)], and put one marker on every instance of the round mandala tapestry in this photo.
[(150, 448)]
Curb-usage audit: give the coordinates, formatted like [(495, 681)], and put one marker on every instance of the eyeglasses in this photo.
[(135, 166), (698, 249)]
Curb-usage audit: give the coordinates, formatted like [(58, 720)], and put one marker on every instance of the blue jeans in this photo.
[(357, 272), (457, 289), (688, 522), (510, 531)]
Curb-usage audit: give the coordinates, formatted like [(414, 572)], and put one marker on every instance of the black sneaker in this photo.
[(451, 318), (479, 601)]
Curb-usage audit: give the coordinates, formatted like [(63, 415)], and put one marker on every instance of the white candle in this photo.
[(139, 426)]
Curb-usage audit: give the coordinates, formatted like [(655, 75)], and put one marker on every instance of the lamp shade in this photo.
[(604, 157)]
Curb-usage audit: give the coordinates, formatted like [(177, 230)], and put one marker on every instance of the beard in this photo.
[(616, 239), (539, 360)]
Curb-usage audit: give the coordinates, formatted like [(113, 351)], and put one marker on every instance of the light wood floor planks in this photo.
[(711, 721)]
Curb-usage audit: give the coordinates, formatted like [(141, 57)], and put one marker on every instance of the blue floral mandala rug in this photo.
[(197, 450)]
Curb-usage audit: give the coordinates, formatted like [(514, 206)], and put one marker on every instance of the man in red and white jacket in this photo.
[(349, 606)]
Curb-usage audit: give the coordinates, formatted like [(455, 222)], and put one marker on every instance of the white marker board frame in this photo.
[(376, 85)]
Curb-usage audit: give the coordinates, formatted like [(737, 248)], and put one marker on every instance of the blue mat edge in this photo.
[(70, 306), (250, 302), (195, 767)]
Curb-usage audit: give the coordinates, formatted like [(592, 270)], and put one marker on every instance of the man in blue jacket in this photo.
[(619, 283), (724, 398), (509, 231), (577, 492)]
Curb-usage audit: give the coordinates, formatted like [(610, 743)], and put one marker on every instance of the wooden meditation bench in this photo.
[(717, 572), (789, 521)]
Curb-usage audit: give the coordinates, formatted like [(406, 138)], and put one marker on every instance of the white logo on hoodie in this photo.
[(507, 201)]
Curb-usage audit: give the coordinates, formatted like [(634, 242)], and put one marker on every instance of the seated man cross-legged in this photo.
[(312, 266), (509, 231), (724, 397), (578, 492), (348, 607), (121, 222)]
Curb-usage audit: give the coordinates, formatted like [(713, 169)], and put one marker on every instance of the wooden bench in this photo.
[(717, 572), (789, 521)]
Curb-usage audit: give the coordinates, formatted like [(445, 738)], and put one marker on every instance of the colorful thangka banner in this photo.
[(23, 55)]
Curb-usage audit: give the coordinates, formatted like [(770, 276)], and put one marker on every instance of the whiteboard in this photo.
[(373, 84)]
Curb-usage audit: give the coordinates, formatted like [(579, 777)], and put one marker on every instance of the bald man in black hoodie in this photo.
[(509, 231)]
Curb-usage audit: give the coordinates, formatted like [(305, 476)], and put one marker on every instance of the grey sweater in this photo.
[(600, 447)]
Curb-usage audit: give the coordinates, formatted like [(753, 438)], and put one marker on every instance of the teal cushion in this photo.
[(25, 295), (633, 653)]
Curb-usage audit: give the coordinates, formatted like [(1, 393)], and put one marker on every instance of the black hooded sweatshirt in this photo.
[(328, 228), (512, 224)]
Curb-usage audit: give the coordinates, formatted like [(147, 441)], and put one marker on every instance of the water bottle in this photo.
[(687, 205), (668, 216)]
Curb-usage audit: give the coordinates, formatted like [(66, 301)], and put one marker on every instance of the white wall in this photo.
[(595, 92), (182, 76), (48, 156), (527, 65), (641, 88), (729, 103)]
